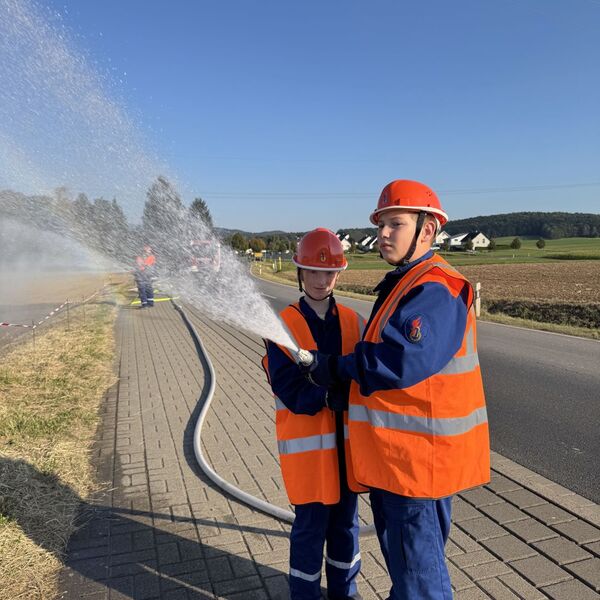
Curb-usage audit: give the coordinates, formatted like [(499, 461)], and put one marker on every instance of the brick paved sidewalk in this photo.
[(162, 530)]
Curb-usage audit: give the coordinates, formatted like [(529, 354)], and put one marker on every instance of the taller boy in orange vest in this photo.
[(417, 420), (310, 423)]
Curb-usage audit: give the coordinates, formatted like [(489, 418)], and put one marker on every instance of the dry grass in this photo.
[(49, 399)]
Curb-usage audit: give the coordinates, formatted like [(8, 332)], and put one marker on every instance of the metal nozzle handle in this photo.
[(304, 358)]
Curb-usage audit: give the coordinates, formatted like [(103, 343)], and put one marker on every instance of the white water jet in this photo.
[(61, 128)]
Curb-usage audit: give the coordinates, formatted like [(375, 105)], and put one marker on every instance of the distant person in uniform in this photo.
[(310, 422), (417, 422), (144, 273)]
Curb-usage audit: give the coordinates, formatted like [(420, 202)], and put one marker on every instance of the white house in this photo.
[(367, 243), (478, 239), (346, 240), (441, 237)]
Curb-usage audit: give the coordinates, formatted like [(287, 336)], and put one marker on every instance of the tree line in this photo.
[(546, 225), (102, 225)]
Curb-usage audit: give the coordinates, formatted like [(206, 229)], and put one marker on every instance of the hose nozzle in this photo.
[(304, 358)]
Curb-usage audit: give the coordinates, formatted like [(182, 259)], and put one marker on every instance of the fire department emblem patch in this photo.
[(415, 329)]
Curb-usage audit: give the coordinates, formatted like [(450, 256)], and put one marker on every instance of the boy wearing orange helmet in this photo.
[(418, 430), (310, 423)]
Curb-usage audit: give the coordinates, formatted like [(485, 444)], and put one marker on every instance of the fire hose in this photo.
[(248, 499)]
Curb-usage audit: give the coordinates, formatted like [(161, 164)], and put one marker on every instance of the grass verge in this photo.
[(49, 400)]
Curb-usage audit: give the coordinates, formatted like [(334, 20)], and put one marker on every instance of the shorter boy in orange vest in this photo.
[(417, 421), (310, 423)]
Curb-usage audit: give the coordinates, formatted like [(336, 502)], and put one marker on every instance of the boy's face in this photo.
[(319, 284), (395, 233)]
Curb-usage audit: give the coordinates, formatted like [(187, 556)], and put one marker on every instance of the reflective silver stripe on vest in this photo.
[(305, 576), (343, 565), (279, 405), (325, 441), (463, 364), (442, 426)]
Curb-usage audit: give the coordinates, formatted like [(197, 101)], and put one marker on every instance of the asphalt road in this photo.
[(542, 392)]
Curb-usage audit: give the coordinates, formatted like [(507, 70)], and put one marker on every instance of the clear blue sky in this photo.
[(293, 114)]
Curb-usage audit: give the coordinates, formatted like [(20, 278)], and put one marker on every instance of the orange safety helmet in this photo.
[(320, 250), (409, 195)]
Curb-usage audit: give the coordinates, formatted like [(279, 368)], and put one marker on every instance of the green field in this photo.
[(555, 250)]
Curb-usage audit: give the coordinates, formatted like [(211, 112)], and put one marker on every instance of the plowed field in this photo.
[(569, 281)]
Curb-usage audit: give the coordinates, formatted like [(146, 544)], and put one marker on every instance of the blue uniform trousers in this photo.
[(145, 290), (315, 524), (412, 533)]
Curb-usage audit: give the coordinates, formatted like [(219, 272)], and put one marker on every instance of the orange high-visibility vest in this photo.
[(307, 443), (431, 439), (145, 261)]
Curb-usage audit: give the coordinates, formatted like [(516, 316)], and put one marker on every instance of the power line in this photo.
[(445, 192)]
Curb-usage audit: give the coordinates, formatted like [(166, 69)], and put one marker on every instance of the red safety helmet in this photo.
[(409, 195), (320, 250)]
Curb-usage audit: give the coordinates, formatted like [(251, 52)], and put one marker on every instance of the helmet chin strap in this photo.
[(411, 250)]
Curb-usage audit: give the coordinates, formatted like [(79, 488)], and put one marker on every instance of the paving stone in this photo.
[(459, 580), (509, 548), (595, 548), (503, 513), (540, 571), (497, 590), (523, 498), (480, 497), (484, 571), (588, 571), (579, 531), (549, 514), (463, 511), (531, 530), (570, 590), (471, 594), (561, 550), (482, 529), (473, 558), (239, 584)]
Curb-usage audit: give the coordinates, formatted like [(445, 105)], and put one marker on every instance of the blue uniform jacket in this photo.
[(287, 382), (400, 359)]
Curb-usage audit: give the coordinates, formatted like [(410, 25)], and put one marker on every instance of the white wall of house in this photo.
[(480, 241), (441, 237), (346, 245)]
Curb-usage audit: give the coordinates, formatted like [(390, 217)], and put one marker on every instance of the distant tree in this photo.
[(469, 245), (281, 246), (238, 242), (163, 209), (516, 243), (257, 244), (164, 222), (445, 245), (199, 210), (492, 245), (82, 212), (541, 243)]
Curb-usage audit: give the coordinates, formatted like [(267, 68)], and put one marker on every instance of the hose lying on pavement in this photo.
[(249, 499)]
